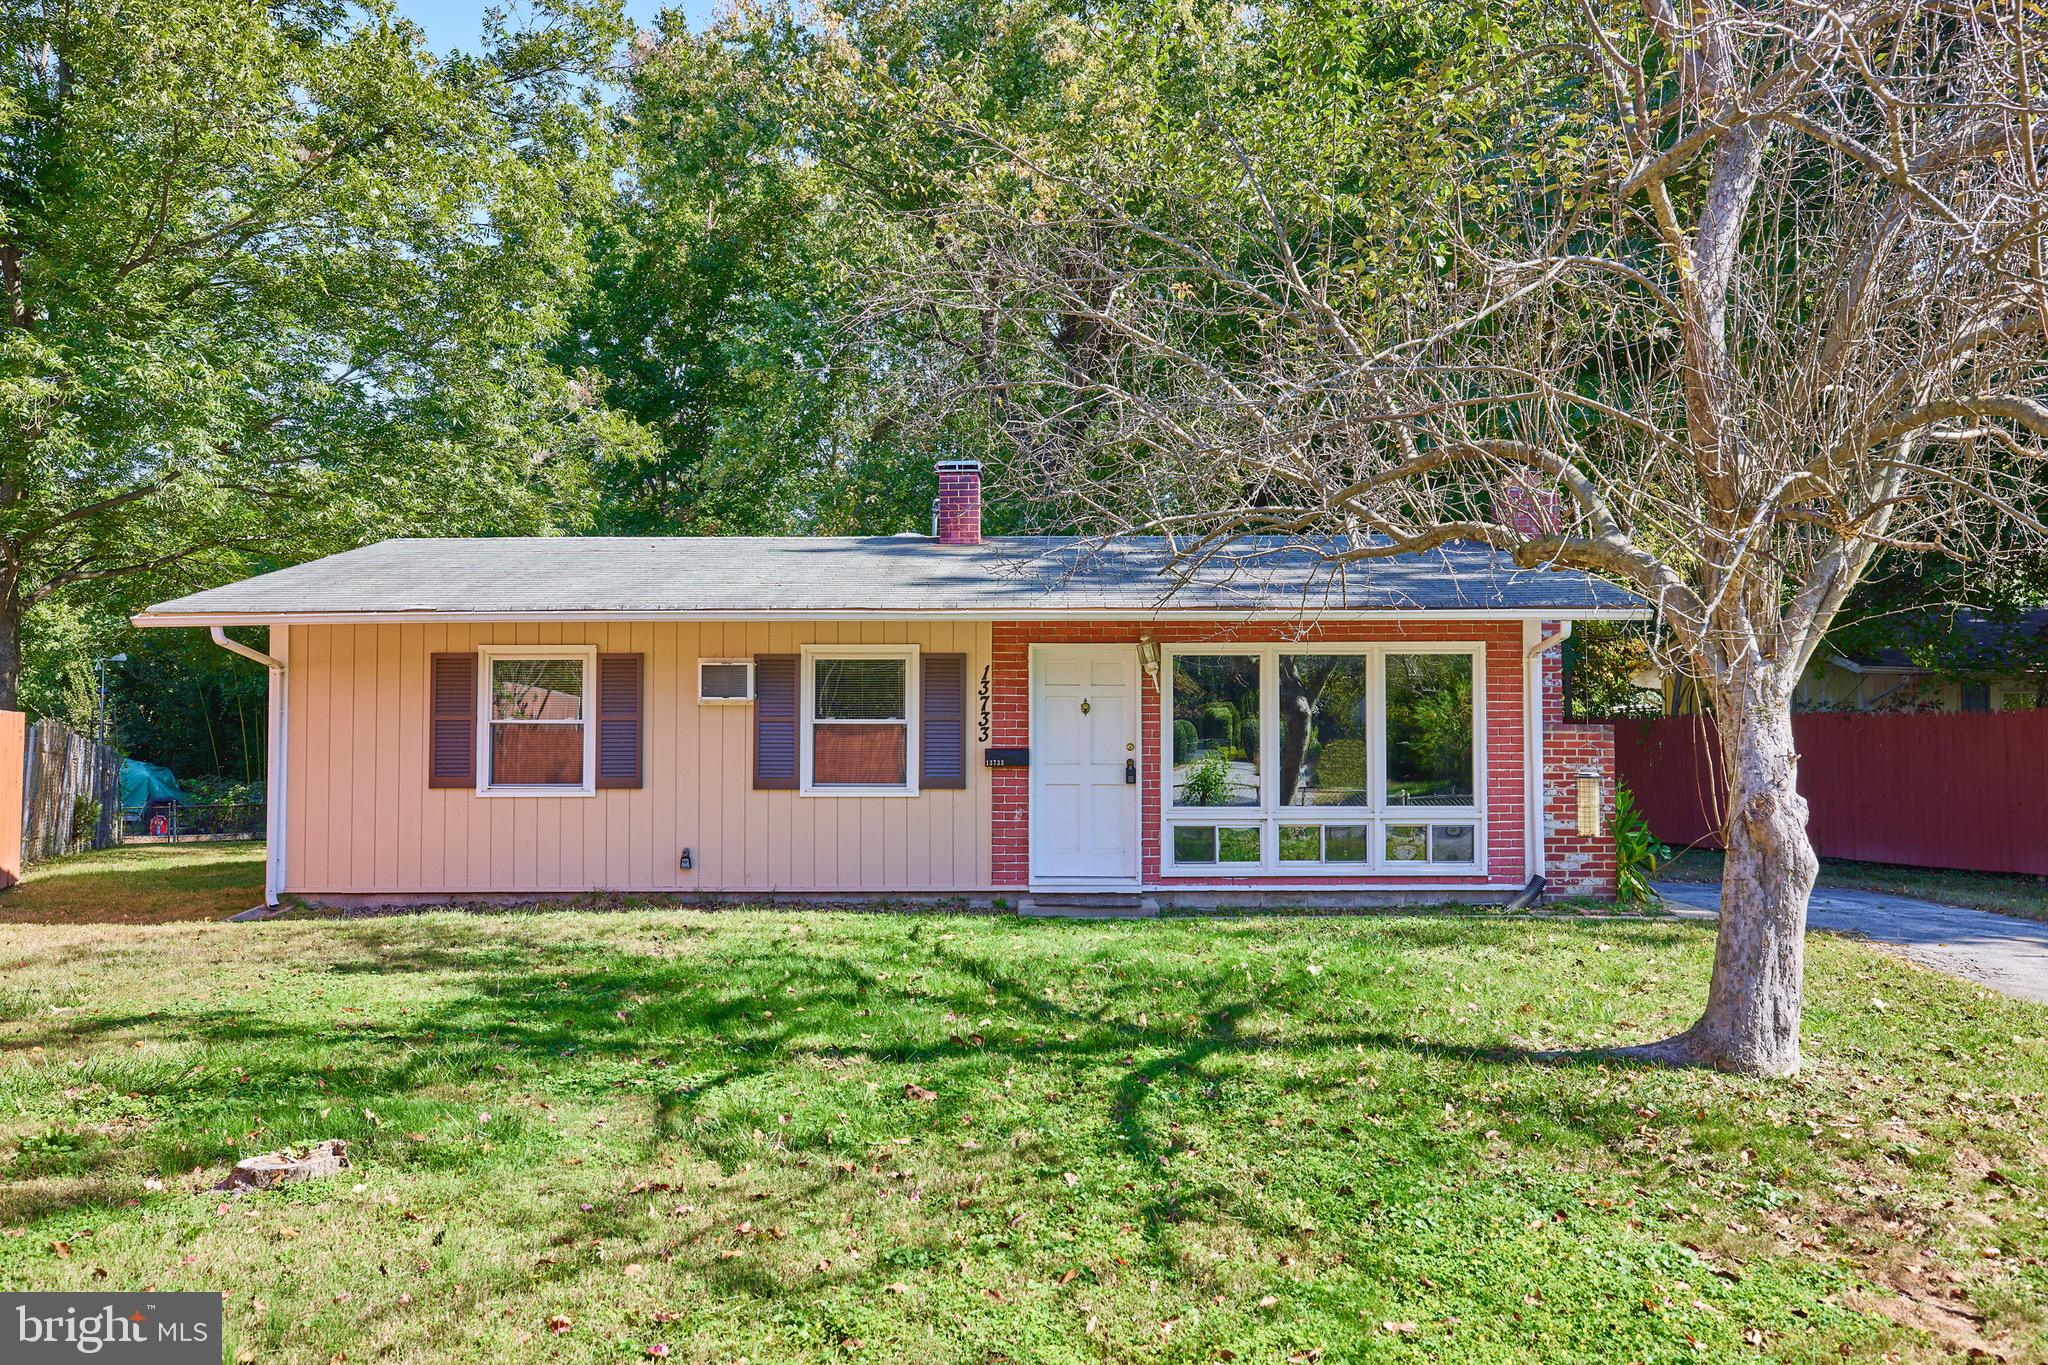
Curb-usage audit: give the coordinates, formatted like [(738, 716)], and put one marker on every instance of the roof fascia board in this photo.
[(364, 618)]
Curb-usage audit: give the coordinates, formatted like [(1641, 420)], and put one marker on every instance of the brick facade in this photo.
[(1576, 864), (1011, 712)]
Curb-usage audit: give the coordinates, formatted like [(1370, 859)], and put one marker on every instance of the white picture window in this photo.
[(860, 720), (1311, 759), (535, 736), (725, 680)]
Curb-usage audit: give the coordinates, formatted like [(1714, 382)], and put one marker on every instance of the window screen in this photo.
[(537, 709), (860, 731)]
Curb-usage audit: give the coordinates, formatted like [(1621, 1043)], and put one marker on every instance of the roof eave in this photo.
[(151, 619)]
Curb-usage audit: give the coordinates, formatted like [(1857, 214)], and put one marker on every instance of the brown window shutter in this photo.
[(775, 706), (621, 706), (451, 740), (942, 722)]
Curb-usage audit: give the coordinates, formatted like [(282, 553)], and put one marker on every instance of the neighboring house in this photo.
[(912, 716), (1982, 676)]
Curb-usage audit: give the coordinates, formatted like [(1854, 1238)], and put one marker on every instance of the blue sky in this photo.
[(460, 23)]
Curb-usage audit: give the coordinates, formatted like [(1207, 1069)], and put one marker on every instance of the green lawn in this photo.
[(823, 1137), (2008, 895), (139, 884)]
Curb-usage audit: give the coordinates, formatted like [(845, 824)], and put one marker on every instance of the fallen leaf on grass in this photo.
[(1398, 1327), (914, 1091), (559, 1323), (658, 1351)]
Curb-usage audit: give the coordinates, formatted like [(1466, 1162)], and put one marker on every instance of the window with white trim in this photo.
[(534, 717), (860, 720), (1322, 759)]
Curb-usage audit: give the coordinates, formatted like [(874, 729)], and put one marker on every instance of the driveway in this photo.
[(2000, 951)]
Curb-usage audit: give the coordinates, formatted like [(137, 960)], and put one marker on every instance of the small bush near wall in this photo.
[(1637, 854)]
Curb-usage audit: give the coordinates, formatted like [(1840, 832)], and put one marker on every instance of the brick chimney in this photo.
[(959, 507), (1531, 509)]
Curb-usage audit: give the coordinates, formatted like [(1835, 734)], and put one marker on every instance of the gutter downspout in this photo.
[(274, 768), (220, 637), (1532, 693)]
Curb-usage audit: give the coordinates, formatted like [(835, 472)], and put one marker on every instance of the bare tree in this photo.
[(1734, 296)]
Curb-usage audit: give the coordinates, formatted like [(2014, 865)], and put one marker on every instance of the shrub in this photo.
[(85, 821), (1219, 720), (1184, 739), (1207, 783), (1637, 854)]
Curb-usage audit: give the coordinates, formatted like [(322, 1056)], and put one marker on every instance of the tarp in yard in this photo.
[(144, 784)]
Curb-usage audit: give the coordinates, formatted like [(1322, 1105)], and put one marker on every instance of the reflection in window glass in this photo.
[(1451, 844), (1237, 845), (1322, 730), (859, 689), (1407, 843), (1194, 844), (537, 689), (1345, 844), (536, 723), (860, 734), (1429, 730), (1301, 843), (1216, 730)]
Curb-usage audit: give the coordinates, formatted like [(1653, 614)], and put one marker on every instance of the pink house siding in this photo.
[(360, 819), (1505, 719)]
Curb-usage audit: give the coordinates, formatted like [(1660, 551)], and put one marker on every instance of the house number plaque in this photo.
[(981, 726)]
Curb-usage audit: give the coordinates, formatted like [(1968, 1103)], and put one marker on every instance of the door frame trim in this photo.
[(1051, 882)]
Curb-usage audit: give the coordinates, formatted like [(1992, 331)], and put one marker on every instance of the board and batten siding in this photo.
[(360, 819)]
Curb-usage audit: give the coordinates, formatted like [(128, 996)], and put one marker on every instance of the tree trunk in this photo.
[(1751, 1023), (10, 653)]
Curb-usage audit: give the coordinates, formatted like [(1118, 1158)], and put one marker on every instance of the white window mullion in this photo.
[(1269, 757)]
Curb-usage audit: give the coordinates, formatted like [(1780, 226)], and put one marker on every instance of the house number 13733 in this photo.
[(981, 727)]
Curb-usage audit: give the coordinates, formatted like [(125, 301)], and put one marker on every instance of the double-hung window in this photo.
[(1322, 759), (860, 720), (534, 717)]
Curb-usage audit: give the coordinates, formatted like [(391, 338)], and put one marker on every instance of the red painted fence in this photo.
[(1964, 791)]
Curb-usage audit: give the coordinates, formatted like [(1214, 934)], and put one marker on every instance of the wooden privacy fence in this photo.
[(71, 789), (1958, 790)]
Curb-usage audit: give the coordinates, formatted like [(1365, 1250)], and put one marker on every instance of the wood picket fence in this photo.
[(71, 789)]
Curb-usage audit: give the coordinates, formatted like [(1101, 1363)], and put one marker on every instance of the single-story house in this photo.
[(912, 716), (1989, 667)]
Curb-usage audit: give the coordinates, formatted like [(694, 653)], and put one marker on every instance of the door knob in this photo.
[(1131, 772), (1084, 706)]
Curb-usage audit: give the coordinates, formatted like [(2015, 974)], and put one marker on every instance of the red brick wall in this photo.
[(1575, 864), (1011, 710), (959, 503)]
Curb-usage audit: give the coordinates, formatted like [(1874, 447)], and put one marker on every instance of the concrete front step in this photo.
[(1085, 905)]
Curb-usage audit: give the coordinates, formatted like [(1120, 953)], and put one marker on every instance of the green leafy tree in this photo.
[(726, 309), (274, 278)]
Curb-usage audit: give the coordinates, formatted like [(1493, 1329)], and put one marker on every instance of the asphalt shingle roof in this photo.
[(772, 575)]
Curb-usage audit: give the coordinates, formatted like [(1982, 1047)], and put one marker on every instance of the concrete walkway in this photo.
[(2003, 952)]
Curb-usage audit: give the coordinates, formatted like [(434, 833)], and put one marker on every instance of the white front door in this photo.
[(1084, 756)]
